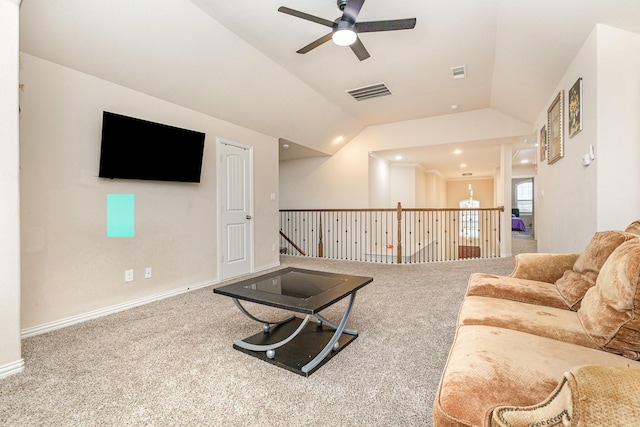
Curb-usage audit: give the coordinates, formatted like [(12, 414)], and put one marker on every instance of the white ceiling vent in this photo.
[(459, 72), (368, 92)]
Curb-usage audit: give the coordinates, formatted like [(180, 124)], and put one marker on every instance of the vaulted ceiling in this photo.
[(236, 60)]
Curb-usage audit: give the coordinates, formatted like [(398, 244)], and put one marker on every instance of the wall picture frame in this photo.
[(543, 143), (555, 141), (575, 108)]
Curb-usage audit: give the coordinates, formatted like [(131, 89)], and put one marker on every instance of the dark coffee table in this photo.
[(293, 343)]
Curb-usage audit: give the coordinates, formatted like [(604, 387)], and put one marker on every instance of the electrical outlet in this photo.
[(128, 275), (147, 273)]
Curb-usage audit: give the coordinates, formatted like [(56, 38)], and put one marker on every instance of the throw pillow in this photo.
[(610, 310), (588, 395), (574, 283), (556, 410), (634, 227)]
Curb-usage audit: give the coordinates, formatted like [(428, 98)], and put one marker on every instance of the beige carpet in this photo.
[(171, 363)]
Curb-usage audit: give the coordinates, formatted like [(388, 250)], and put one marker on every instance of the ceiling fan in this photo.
[(345, 29)]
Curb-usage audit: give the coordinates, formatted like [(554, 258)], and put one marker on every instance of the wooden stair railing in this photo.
[(296, 247), (396, 235)]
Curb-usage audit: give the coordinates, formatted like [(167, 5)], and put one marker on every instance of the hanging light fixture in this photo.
[(344, 35)]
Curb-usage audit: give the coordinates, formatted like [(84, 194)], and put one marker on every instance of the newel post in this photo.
[(399, 256), (320, 244)]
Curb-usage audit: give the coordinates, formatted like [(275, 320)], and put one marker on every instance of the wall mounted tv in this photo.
[(139, 149)]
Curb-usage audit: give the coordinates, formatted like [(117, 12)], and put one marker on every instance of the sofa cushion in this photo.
[(515, 289), (610, 311), (490, 367), (543, 267), (575, 282), (559, 324)]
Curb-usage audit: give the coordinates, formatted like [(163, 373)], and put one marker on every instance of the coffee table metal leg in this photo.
[(323, 319), (330, 345), (267, 348), (266, 323)]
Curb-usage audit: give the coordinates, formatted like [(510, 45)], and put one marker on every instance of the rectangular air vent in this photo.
[(459, 72), (368, 92)]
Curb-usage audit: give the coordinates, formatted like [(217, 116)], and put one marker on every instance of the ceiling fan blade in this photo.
[(392, 25), (306, 16), (315, 44), (359, 49), (351, 10)]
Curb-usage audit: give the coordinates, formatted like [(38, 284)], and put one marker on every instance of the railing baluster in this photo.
[(399, 217), (400, 235)]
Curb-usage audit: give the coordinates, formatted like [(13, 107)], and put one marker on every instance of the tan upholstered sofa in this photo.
[(555, 343)]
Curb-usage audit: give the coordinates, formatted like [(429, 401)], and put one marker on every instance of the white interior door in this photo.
[(235, 196)]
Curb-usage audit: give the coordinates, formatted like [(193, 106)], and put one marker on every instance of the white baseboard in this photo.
[(267, 267), (12, 368), (58, 324)]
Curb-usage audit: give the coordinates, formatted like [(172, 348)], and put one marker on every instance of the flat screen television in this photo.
[(133, 148)]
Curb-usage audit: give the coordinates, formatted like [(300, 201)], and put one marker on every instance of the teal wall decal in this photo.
[(120, 215)]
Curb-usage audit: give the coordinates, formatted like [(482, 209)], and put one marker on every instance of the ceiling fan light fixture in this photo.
[(344, 35), (346, 28)]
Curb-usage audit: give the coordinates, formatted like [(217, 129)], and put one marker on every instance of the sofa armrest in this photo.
[(543, 267), (588, 395)]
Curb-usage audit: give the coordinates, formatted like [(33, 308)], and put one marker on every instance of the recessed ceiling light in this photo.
[(457, 151), (454, 106), (463, 165), (339, 139), (285, 146), (398, 157), (524, 161)]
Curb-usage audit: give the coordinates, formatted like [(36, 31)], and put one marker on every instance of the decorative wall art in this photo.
[(120, 215), (543, 143), (575, 108), (555, 141)]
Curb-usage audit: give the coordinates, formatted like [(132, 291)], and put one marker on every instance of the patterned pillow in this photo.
[(610, 310), (556, 410), (574, 283), (588, 395)]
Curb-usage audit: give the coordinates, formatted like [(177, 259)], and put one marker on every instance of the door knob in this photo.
[(248, 216)]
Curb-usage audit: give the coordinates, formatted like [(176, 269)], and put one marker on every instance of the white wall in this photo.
[(574, 201), (618, 131), (403, 185), (342, 180), (69, 266), (10, 358), (379, 179), (409, 184), (422, 182), (565, 190), (436, 190)]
